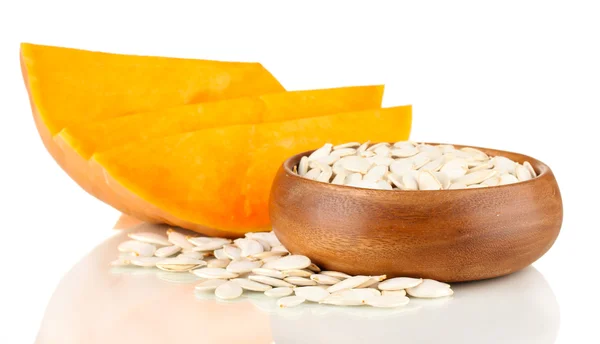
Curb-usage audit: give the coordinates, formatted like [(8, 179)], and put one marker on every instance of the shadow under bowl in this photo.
[(447, 235)]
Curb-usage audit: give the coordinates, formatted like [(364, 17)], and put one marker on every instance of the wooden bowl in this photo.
[(447, 235)]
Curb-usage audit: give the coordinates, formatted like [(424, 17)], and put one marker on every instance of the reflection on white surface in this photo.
[(98, 304)]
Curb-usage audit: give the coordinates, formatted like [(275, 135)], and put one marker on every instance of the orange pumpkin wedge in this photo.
[(70, 86), (79, 142), (217, 181)]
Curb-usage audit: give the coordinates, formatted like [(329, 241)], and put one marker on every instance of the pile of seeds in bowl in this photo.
[(408, 165), (259, 263)]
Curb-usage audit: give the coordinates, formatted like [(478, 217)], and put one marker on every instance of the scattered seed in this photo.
[(268, 272), (387, 301), (179, 239), (292, 262), (280, 292), (214, 273), (399, 283), (140, 248), (289, 301), (150, 238), (210, 284), (300, 281), (243, 265), (312, 294), (401, 292), (348, 283), (228, 291), (275, 282), (324, 279), (217, 263), (167, 251), (251, 285), (145, 261), (430, 289)]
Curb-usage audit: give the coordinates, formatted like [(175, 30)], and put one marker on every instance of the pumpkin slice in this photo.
[(79, 142), (89, 138), (70, 86), (217, 181)]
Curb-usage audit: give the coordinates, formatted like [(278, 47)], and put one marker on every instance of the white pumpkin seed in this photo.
[(220, 254), (324, 279), (336, 274), (209, 285), (343, 152), (275, 282), (279, 292), (348, 283), (214, 273), (313, 174), (508, 179), (217, 263), (400, 292), (339, 178), (243, 265), (303, 166), (232, 252), (268, 272), (312, 294), (314, 268), (150, 238), (297, 273), (522, 173), (291, 262), (228, 291), (248, 247), (530, 168), (208, 244), (279, 248), (167, 251), (387, 301), (476, 177), (268, 254), (427, 181), (179, 264), (321, 152), (434, 165), (430, 289), (140, 248), (145, 261), (289, 301), (300, 281), (251, 285), (324, 176), (355, 164), (179, 239), (404, 152), (402, 166), (503, 164), (363, 147), (399, 283), (346, 145), (192, 254)]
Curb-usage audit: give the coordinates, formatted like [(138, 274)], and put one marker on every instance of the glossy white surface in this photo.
[(95, 303), (516, 75)]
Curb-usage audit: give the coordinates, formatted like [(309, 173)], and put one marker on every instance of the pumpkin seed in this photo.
[(430, 289), (232, 252), (289, 301), (210, 284), (297, 273), (251, 285), (300, 281), (179, 264), (150, 238), (314, 268), (179, 239), (145, 261), (217, 263), (312, 294), (312, 174), (355, 164), (346, 145), (336, 274), (522, 173), (321, 152), (248, 247), (228, 291), (324, 279), (399, 283), (290, 263), (192, 254), (348, 283), (167, 251), (214, 273), (387, 301), (220, 254), (280, 292), (400, 292), (140, 248), (243, 265), (530, 168), (343, 152), (303, 166), (275, 282), (208, 244), (268, 272)]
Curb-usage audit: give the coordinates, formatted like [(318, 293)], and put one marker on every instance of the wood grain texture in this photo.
[(447, 235)]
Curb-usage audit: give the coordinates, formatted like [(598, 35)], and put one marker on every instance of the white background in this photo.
[(514, 75)]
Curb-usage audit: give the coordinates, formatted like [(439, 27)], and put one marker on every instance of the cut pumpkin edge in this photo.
[(173, 218)]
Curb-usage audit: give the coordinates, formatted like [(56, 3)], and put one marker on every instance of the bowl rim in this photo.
[(539, 167)]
